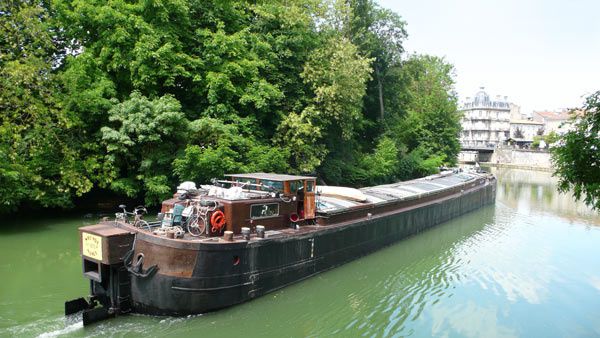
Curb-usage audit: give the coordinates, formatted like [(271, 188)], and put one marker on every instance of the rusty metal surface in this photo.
[(103, 229), (170, 261)]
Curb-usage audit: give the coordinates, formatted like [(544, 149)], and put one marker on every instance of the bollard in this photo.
[(228, 236), (260, 231), (246, 233)]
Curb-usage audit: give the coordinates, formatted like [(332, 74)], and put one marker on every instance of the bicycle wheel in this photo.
[(196, 226)]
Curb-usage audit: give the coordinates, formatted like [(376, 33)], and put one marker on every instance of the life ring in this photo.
[(217, 220)]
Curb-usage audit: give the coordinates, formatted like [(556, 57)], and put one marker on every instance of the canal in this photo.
[(528, 266)]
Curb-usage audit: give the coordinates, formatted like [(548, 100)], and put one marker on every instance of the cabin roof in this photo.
[(271, 176)]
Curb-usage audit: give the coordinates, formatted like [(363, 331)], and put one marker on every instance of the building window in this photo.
[(264, 210)]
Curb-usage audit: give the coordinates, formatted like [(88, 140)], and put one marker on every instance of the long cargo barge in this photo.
[(221, 244)]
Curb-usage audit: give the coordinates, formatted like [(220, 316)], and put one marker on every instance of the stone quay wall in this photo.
[(521, 158)]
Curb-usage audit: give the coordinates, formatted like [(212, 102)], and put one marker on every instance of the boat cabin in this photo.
[(301, 189), (274, 201)]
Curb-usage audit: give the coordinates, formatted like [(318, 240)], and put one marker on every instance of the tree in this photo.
[(135, 95), (234, 62), (577, 157), (337, 74), (518, 133), (216, 148), (40, 160), (379, 34), (141, 141), (432, 121)]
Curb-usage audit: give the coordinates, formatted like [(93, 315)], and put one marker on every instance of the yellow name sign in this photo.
[(92, 246)]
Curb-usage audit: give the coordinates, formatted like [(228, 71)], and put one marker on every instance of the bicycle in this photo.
[(197, 220), (138, 214)]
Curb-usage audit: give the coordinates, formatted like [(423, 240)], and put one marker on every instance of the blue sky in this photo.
[(541, 54)]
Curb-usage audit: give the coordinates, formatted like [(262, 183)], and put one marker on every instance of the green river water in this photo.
[(528, 266)]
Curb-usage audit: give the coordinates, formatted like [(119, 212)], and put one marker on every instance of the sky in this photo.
[(543, 55)]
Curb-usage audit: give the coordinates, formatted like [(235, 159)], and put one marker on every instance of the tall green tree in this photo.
[(379, 33), (337, 75), (141, 139), (432, 121), (135, 95), (577, 156), (39, 157), (228, 61)]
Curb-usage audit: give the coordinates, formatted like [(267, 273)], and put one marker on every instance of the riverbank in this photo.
[(517, 166), (502, 157)]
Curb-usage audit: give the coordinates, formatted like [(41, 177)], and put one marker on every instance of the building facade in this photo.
[(485, 122), (525, 130), (554, 121)]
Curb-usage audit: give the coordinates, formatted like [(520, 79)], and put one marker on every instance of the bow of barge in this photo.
[(218, 245)]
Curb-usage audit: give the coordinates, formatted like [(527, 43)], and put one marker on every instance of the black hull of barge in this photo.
[(223, 274)]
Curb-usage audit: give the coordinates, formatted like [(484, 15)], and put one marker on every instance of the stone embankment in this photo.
[(521, 158)]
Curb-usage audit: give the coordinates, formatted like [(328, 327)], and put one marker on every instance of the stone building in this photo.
[(485, 122), (523, 130), (557, 121)]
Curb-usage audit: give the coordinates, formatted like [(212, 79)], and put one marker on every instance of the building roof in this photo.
[(527, 122), (482, 100), (554, 115), (271, 176)]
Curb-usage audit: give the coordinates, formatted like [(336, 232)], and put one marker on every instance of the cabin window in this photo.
[(247, 183), (264, 210), (294, 186), (309, 186), (278, 186)]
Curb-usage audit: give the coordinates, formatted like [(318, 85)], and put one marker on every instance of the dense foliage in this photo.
[(134, 96), (577, 156)]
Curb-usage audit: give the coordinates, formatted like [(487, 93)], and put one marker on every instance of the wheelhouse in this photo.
[(273, 201), (298, 190)]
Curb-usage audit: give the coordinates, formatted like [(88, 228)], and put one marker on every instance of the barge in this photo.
[(228, 242)]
